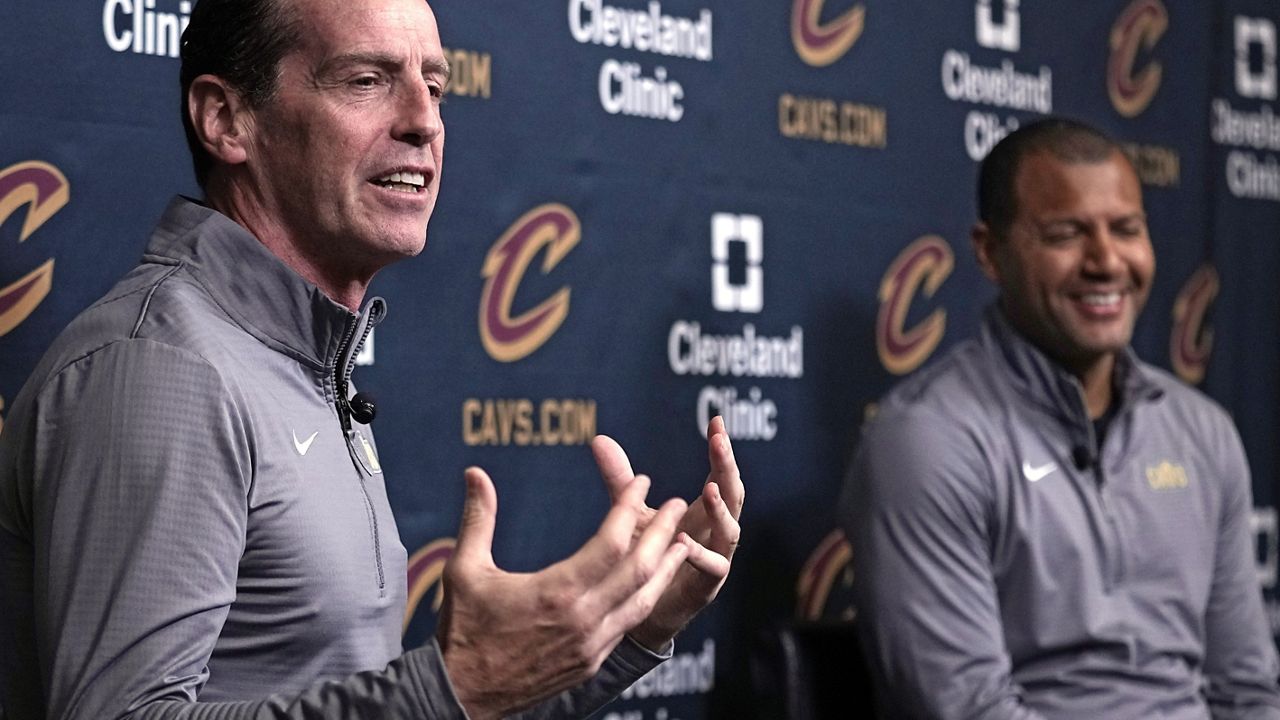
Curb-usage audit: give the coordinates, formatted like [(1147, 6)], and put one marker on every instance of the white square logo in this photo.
[(737, 257), (1257, 33), (1005, 35)]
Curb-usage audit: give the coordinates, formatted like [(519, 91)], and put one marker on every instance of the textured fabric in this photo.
[(1007, 567), (188, 513)]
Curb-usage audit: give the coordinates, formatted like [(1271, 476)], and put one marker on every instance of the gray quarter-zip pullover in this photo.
[(1007, 566), (187, 511)]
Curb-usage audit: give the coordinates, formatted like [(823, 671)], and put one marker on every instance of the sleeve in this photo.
[(141, 467), (916, 511), (628, 663), (1240, 654)]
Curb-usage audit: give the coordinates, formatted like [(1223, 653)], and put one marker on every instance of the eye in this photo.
[(366, 81), (1130, 228), (1058, 234)]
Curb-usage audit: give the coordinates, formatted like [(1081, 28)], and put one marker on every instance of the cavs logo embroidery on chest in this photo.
[(1167, 476)]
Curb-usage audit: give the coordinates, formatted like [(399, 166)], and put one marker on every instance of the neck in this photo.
[(335, 279), (1096, 379)]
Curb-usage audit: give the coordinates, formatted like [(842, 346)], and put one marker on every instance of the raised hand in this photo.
[(711, 523), (512, 639)]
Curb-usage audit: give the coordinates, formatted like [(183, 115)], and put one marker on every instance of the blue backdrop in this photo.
[(653, 212)]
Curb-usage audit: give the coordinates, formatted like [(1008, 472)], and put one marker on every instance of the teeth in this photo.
[(407, 178), (1110, 298)]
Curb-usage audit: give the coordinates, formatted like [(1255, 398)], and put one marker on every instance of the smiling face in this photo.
[(1076, 265), (344, 161)]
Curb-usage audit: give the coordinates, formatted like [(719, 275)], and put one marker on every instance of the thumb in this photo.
[(614, 466), (479, 514)]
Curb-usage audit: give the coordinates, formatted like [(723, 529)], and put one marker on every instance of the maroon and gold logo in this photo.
[(1139, 27), (1191, 341), (817, 43), (426, 569), (44, 190), (506, 338), (926, 263), (829, 562)]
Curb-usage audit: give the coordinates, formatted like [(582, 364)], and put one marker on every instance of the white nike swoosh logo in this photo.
[(1033, 474), (303, 446)]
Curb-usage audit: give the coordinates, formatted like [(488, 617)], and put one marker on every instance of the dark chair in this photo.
[(811, 670)]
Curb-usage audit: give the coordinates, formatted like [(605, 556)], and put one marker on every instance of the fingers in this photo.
[(711, 564), (724, 467), (614, 466), (724, 474), (616, 471), (644, 560), (479, 515), (725, 530), (613, 540), (633, 590)]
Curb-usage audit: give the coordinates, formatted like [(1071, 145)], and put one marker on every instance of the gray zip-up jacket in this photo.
[(188, 512), (1006, 566)]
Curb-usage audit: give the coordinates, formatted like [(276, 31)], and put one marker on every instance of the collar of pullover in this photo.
[(1048, 385), (256, 289)]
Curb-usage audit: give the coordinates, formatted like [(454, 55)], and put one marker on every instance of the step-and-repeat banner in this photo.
[(654, 212)]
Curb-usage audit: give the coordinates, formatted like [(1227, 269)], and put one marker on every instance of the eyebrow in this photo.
[(1073, 220), (439, 66)]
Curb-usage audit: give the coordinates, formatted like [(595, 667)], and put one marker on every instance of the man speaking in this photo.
[(193, 517)]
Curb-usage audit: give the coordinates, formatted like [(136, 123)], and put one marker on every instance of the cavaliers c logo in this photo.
[(426, 568), (830, 560), (44, 189), (926, 262), (508, 338), (1191, 341), (1140, 26), (821, 44)]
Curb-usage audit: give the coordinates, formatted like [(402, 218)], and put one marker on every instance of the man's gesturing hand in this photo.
[(711, 523), (512, 639)]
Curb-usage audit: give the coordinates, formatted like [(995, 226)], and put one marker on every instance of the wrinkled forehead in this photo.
[(332, 27)]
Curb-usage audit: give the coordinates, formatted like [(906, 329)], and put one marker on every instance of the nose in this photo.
[(1102, 254), (418, 119)]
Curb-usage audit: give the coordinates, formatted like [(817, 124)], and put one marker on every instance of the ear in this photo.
[(220, 118), (984, 242)]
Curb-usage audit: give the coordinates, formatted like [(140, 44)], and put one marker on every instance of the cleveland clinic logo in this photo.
[(552, 228), (737, 257), (1251, 168), (137, 26), (1255, 40), (997, 24)]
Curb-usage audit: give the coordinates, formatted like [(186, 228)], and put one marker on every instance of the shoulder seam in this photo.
[(146, 302)]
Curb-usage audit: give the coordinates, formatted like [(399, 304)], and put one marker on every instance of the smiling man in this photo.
[(1044, 526), (193, 516)]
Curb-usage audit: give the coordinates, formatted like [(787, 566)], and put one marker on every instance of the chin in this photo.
[(1095, 346)]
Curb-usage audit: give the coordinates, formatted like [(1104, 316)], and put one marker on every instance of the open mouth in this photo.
[(1100, 299), (1100, 305), (406, 182)]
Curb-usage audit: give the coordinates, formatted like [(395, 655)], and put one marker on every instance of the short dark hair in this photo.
[(242, 42), (1067, 140)]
